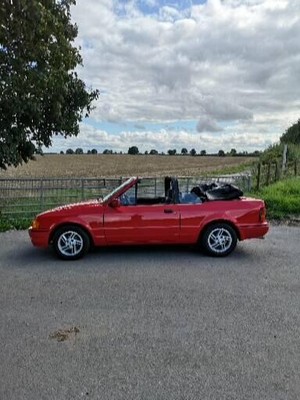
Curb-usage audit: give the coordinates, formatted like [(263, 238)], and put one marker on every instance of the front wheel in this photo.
[(71, 242), (219, 240)]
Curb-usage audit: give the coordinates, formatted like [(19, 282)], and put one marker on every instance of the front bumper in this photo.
[(39, 238)]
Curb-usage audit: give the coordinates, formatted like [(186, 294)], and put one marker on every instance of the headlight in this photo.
[(35, 224)]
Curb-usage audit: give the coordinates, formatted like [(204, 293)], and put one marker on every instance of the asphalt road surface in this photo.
[(159, 323)]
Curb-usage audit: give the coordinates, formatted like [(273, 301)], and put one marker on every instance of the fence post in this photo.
[(187, 184), (82, 189), (276, 172), (268, 174), (258, 176), (284, 157), (296, 168), (246, 182), (42, 193)]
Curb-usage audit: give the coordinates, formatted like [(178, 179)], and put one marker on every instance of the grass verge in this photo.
[(18, 223), (282, 199)]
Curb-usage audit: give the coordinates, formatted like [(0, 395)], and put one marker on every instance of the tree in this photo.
[(133, 150), (172, 152), (40, 92), (184, 151), (292, 134), (94, 151), (107, 151), (193, 152), (78, 151), (70, 151), (221, 153), (233, 152), (153, 152), (203, 153)]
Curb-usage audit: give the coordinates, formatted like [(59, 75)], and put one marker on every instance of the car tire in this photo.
[(219, 240), (71, 242)]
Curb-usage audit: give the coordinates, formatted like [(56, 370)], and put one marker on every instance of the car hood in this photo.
[(74, 208)]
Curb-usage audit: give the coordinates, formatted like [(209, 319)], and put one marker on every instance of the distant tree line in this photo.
[(79, 151), (184, 152), (134, 150)]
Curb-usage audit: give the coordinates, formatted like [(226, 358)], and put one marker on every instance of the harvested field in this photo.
[(100, 165)]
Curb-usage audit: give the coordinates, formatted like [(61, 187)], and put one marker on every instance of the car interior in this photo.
[(171, 195)]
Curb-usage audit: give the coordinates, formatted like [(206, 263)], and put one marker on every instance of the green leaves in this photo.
[(292, 134), (40, 94)]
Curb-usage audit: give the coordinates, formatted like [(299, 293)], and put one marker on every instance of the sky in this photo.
[(203, 74)]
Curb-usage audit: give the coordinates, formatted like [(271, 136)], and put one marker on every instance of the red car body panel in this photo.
[(141, 224), (150, 224)]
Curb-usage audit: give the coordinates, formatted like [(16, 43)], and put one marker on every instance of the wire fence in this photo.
[(265, 174), (24, 198)]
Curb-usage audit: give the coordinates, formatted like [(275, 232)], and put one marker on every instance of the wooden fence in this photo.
[(271, 172)]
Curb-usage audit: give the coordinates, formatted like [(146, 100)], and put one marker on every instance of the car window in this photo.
[(143, 193)]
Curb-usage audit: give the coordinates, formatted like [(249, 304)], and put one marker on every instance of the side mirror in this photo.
[(115, 203)]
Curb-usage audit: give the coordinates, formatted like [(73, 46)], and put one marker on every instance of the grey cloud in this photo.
[(225, 109), (206, 124)]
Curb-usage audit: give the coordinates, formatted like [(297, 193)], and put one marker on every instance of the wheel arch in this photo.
[(205, 226), (70, 223)]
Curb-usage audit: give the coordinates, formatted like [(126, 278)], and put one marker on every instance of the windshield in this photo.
[(118, 189)]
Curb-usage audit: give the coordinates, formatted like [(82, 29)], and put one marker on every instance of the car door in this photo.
[(191, 217), (141, 224)]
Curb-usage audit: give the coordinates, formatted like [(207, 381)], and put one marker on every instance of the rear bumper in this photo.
[(39, 238), (256, 231)]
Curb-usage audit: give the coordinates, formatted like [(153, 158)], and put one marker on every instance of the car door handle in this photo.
[(168, 211)]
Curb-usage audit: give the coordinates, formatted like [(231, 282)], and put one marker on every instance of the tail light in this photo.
[(262, 214)]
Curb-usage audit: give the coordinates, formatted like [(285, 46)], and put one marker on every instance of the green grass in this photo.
[(17, 223), (282, 199)]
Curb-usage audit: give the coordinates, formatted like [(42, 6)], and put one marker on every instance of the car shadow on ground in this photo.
[(120, 256)]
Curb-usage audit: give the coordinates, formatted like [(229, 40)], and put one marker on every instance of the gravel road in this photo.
[(159, 323)]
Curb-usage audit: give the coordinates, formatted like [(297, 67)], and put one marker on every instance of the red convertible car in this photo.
[(213, 218)]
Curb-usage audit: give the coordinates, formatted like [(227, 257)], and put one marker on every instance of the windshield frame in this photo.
[(119, 190)]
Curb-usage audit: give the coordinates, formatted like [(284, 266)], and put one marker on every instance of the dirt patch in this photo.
[(293, 221), (62, 335)]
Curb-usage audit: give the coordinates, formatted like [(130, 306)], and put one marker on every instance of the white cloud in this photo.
[(168, 13), (229, 64)]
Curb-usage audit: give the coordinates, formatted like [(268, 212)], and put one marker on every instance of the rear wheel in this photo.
[(71, 242), (219, 240)]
